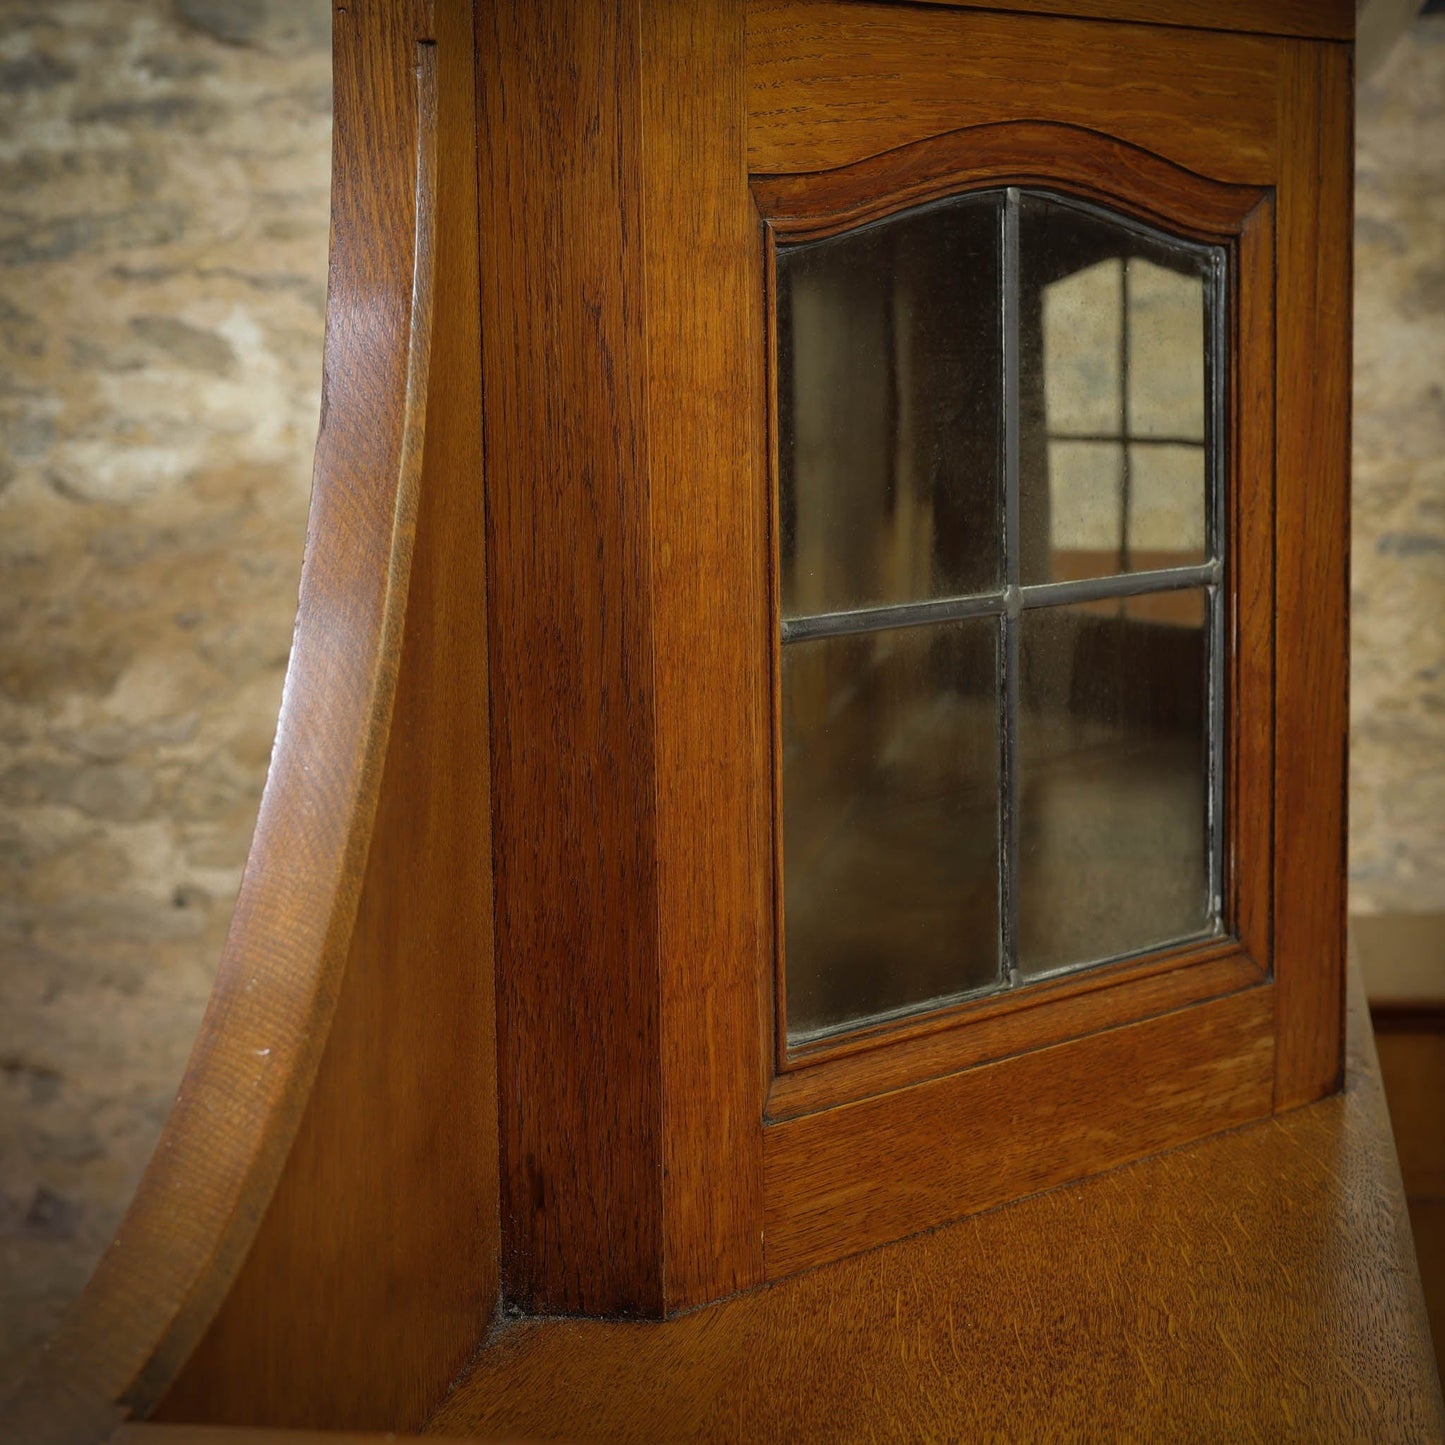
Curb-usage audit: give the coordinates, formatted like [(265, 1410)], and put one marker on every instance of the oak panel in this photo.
[(1249, 798), (708, 532), (1078, 159), (570, 611), (1312, 328), (1011, 1023), (289, 952), (1263, 1280), (861, 1174), (832, 84), (1136, 181)]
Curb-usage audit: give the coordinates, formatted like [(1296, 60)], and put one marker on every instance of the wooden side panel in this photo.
[(374, 1273), (229, 1134), (830, 84), (1312, 622), (711, 633), (569, 557), (857, 1176)]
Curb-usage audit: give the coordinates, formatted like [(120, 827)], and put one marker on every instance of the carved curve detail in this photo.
[(223, 1147), (1048, 155)]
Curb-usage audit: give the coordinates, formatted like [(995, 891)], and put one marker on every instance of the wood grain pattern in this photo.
[(380, 1244), (253, 1435), (707, 488), (832, 84), (856, 1176), (1413, 1066), (1250, 524), (1257, 1285), (1008, 1024), (1312, 591), (1081, 160), (1427, 1224), (261, 1041), (1321, 19), (569, 555)]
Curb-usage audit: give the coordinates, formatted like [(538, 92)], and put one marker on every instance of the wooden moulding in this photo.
[(862, 1174), (830, 84), (379, 1249), (325, 1176)]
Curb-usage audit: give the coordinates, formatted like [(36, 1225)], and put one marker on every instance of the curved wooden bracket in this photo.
[(246, 1085)]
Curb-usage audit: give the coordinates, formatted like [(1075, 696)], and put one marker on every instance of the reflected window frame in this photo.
[(1009, 602)]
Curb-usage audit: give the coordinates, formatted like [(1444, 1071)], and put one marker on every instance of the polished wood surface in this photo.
[(1258, 1285), (579, 1037), (706, 454), (1122, 177), (558, 706), (375, 1270), (258, 1435), (1008, 1025), (1249, 864), (1322, 19), (1083, 160), (626, 547), (831, 84), (1312, 520), (859, 1175), (261, 1041)]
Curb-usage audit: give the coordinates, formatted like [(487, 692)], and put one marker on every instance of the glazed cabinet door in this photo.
[(916, 444)]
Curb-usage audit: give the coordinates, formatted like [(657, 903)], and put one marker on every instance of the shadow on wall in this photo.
[(165, 171)]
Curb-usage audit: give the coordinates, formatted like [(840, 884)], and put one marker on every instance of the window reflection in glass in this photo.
[(889, 410), (890, 820), (1113, 773), (1001, 747), (1112, 397)]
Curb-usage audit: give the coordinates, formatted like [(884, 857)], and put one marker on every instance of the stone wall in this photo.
[(164, 169), (163, 221), (1397, 773)]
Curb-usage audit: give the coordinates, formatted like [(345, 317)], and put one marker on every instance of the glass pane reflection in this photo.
[(1113, 777), (1112, 457), (888, 344), (910, 772), (890, 820)]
